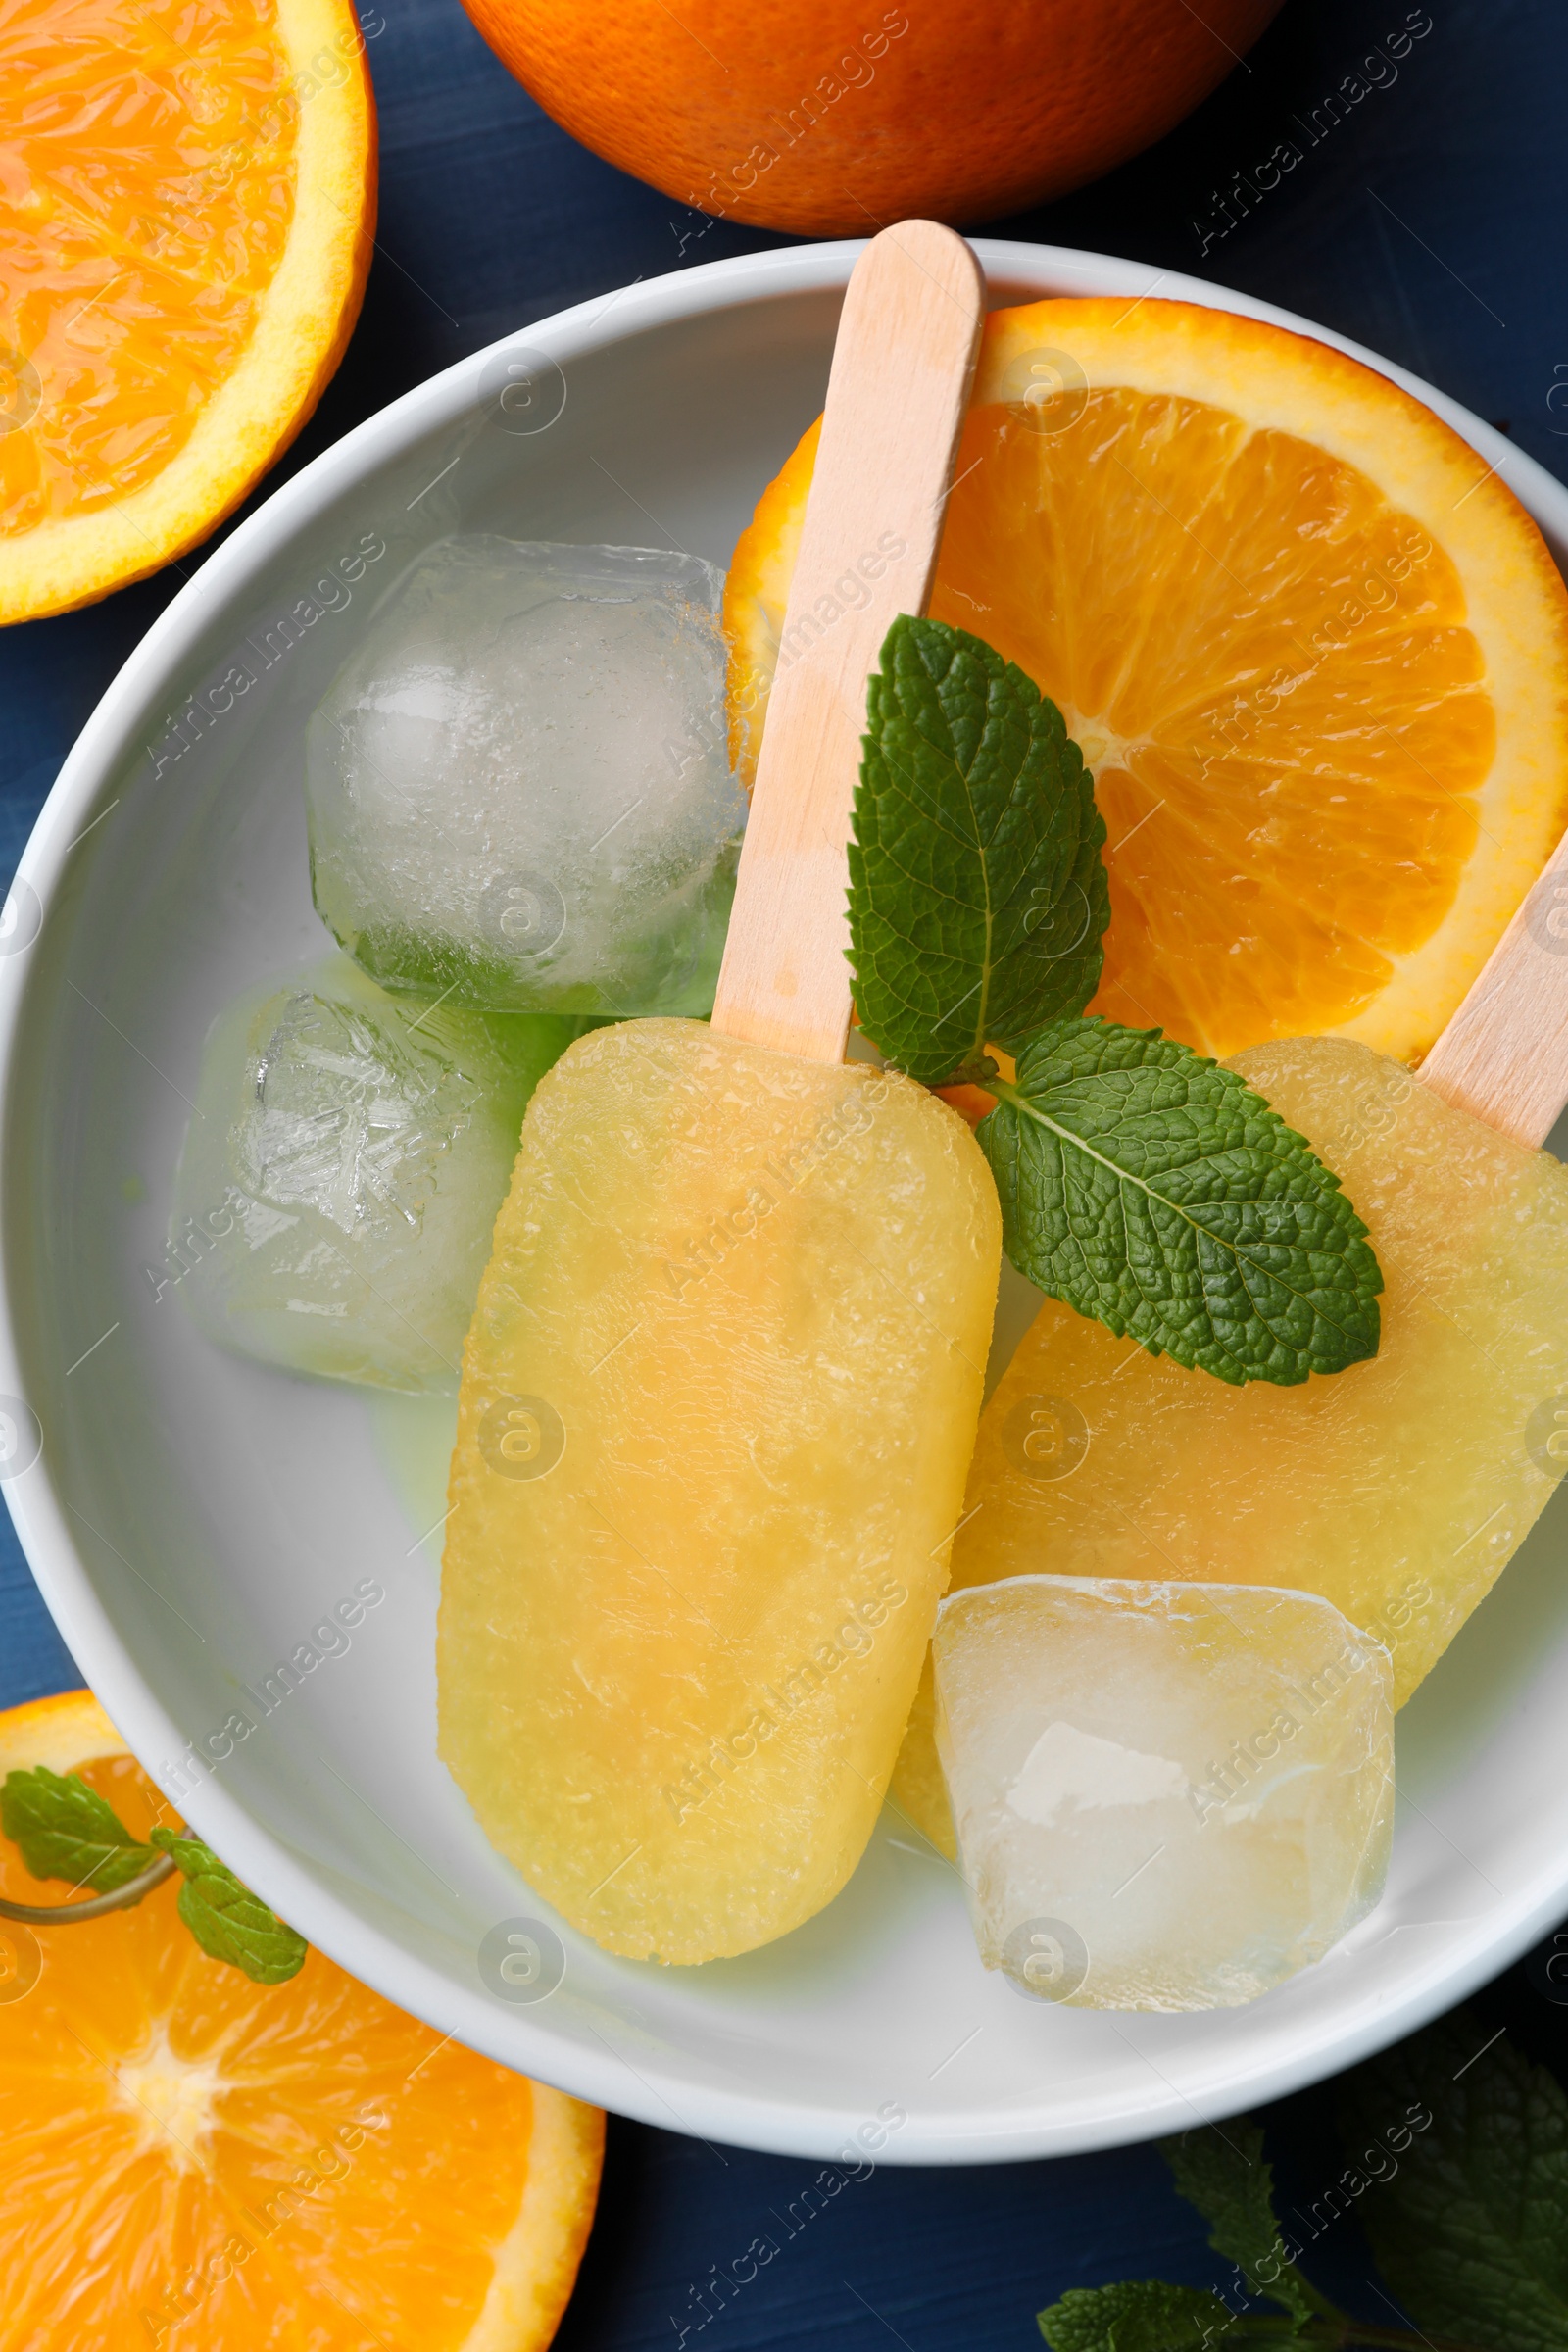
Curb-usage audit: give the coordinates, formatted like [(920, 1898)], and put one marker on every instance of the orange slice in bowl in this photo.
[(1316, 654), (186, 208), (187, 2158)]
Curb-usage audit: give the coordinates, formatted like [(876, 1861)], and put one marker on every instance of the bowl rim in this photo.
[(1015, 271)]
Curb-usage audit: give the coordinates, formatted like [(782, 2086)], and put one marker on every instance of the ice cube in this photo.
[(518, 787), (1167, 1795), (342, 1174)]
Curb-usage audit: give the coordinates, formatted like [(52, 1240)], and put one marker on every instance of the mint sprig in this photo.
[(977, 896), (1456, 2166), (228, 1920), (1138, 2315), (1155, 1192), (1226, 2177), (65, 1830), (1141, 1184), (1471, 2231)]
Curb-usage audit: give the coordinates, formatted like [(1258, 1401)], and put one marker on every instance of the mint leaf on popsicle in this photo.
[(1152, 1190), (1144, 1186), (977, 897)]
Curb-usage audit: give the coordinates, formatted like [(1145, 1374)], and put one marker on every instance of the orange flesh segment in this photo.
[(1314, 651), (1205, 691), (144, 203), (280, 2167)]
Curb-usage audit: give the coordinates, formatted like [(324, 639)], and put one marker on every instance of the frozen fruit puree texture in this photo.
[(718, 1406), (1167, 1795), (1399, 1489), (518, 787), (341, 1177)]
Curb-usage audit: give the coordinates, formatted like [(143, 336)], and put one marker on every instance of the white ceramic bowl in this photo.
[(192, 1518)]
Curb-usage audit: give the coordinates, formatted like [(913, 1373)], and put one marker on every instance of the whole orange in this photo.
[(834, 117)]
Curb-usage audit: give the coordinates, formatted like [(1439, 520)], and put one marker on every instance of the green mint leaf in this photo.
[(1459, 2170), (67, 1831), (1225, 2174), (1155, 1192), (228, 1920), (1141, 2315), (977, 896)]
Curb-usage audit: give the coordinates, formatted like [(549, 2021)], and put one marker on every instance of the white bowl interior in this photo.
[(193, 1517)]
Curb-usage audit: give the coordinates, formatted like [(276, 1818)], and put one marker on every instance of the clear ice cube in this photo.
[(1167, 1795), (518, 786), (342, 1174)]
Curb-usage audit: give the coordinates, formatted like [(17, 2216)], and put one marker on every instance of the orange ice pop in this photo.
[(1400, 1488), (721, 1387)]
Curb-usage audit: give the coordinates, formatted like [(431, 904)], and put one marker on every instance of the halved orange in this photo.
[(191, 2159), (1314, 651), (186, 215)]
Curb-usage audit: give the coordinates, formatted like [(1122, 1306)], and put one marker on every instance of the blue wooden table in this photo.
[(1428, 220)]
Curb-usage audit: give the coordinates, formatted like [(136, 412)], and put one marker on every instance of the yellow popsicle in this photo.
[(717, 1408), (721, 1388), (1398, 1490)]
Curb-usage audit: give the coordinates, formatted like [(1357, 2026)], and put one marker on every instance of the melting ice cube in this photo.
[(518, 787), (1167, 1795), (342, 1174)]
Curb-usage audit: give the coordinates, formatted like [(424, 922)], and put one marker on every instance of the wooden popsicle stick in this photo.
[(1503, 1056), (902, 366)]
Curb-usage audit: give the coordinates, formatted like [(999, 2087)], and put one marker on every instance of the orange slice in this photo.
[(187, 208), (191, 2159), (1315, 655)]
